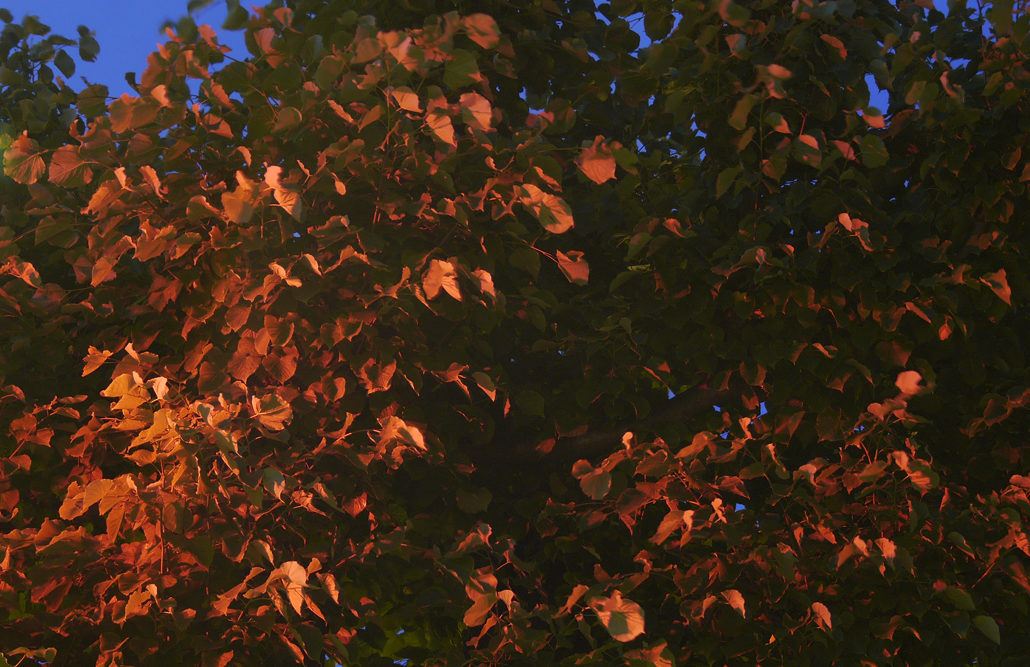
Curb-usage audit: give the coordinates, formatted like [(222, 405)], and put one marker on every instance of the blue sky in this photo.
[(128, 30)]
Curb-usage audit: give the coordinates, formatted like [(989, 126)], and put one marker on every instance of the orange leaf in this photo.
[(908, 382), (836, 44), (94, 360), (396, 430), (441, 125), (482, 29), (406, 99), (68, 169), (152, 179), (822, 616), (486, 282), (476, 614), (845, 149), (887, 547), (23, 160), (441, 275), (622, 618), (574, 266), (999, 284), (577, 592), (874, 119), (271, 412), (735, 600), (24, 270), (596, 161), (476, 111), (294, 578), (552, 211)]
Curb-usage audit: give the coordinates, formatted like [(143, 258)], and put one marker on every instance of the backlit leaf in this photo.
[(621, 617)]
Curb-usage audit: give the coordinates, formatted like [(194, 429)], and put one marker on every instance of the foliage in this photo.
[(398, 338)]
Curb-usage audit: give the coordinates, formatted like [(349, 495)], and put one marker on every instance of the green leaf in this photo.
[(959, 598), (725, 179), (738, 118), (461, 70), (874, 153), (89, 48), (236, 16), (64, 63), (525, 258), (989, 627), (287, 118), (530, 402)]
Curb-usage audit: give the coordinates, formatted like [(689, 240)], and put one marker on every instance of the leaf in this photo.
[(476, 111), (873, 118), (286, 119), (482, 29), (294, 578), (822, 616), (621, 617), (597, 162), (836, 45), (989, 627), (725, 179), (67, 169), (23, 270), (89, 48), (577, 592), (23, 160), (286, 196), (845, 149), (887, 548), (908, 382), (406, 99), (999, 284), (807, 150), (477, 614), (441, 275), (271, 411), (959, 598), (461, 70), (441, 126), (673, 521), (574, 266), (153, 180), (595, 482), (64, 63), (552, 211), (741, 110), (872, 472), (94, 360), (735, 600), (874, 153)]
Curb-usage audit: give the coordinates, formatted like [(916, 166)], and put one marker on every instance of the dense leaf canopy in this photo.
[(399, 336)]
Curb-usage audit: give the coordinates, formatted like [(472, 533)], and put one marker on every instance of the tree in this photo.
[(400, 337)]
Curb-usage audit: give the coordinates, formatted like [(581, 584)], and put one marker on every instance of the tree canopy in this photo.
[(545, 333)]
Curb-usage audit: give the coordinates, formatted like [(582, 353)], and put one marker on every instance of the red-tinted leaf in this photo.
[(441, 275), (597, 162), (574, 266), (552, 211), (482, 29), (23, 160), (822, 616)]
